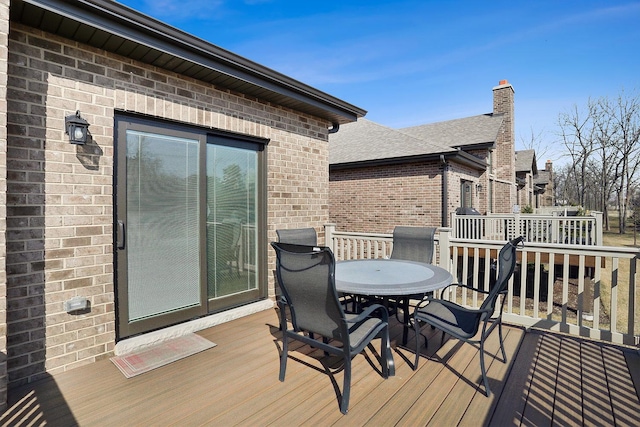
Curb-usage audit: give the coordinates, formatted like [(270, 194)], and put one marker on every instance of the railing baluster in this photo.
[(596, 293), (536, 287), (581, 297), (523, 283), (565, 288), (550, 284), (614, 296)]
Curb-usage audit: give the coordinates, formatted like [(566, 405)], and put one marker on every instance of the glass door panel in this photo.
[(232, 200), (162, 218)]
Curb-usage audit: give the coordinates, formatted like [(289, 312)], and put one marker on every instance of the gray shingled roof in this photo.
[(543, 178), (365, 140), (526, 161), (465, 132)]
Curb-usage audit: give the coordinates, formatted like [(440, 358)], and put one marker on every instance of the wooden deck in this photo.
[(549, 380)]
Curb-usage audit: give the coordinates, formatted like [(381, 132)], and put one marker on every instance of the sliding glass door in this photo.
[(189, 211)]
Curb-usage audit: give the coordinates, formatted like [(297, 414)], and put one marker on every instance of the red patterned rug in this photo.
[(158, 355)]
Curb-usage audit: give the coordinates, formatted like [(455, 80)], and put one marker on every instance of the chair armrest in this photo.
[(462, 285), (368, 312), (428, 297), (459, 308)]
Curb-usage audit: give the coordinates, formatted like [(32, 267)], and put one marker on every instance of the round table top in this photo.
[(389, 277)]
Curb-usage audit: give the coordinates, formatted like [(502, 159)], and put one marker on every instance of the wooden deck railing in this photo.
[(590, 291), (574, 230)]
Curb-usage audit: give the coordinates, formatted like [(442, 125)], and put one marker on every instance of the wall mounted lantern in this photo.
[(478, 188), (77, 128)]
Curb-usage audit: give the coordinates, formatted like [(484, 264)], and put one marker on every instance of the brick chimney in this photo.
[(505, 152), (548, 166), (503, 101)]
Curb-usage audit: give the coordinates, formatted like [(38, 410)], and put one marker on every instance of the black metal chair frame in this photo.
[(298, 236), (464, 323), (307, 278)]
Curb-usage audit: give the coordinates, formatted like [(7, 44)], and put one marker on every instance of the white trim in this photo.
[(136, 343)]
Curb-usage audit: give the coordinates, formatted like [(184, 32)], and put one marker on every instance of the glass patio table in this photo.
[(390, 278)]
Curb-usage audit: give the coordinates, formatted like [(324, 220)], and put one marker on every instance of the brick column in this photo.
[(4, 53)]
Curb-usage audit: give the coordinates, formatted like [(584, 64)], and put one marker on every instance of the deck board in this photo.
[(513, 398), (595, 395), (542, 385), (568, 393), (481, 407), (624, 397), (236, 383)]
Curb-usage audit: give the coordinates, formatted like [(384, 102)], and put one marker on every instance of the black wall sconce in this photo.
[(478, 188), (77, 128)]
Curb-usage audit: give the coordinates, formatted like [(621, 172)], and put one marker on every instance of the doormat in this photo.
[(158, 355)]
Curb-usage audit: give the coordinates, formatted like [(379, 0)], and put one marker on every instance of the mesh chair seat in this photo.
[(443, 315)]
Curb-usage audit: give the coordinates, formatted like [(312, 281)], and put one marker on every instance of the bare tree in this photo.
[(534, 142), (624, 114), (577, 135), (603, 143)]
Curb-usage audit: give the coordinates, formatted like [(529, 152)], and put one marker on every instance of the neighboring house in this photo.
[(382, 177), (544, 187), (526, 173), (194, 157), (535, 187)]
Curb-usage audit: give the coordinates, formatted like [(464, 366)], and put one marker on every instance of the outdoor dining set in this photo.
[(340, 307)]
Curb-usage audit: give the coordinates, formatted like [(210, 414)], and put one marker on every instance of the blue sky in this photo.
[(421, 61)]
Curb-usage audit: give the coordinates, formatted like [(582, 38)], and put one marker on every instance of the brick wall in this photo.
[(457, 174), (4, 54), (60, 207), (376, 199)]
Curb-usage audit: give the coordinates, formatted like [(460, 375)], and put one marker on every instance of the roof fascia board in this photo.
[(462, 158), (122, 21), (490, 145), (467, 159), (384, 162)]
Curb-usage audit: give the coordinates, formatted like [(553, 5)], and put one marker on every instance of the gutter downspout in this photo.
[(334, 127), (445, 198)]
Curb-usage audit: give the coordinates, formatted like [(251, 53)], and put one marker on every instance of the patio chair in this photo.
[(307, 277), (411, 244), (298, 236), (464, 323)]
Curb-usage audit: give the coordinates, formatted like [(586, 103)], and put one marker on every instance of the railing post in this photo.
[(444, 247), (454, 224), (329, 229), (631, 319), (598, 232)]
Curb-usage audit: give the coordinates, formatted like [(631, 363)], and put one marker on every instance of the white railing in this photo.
[(589, 291), (573, 230)]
